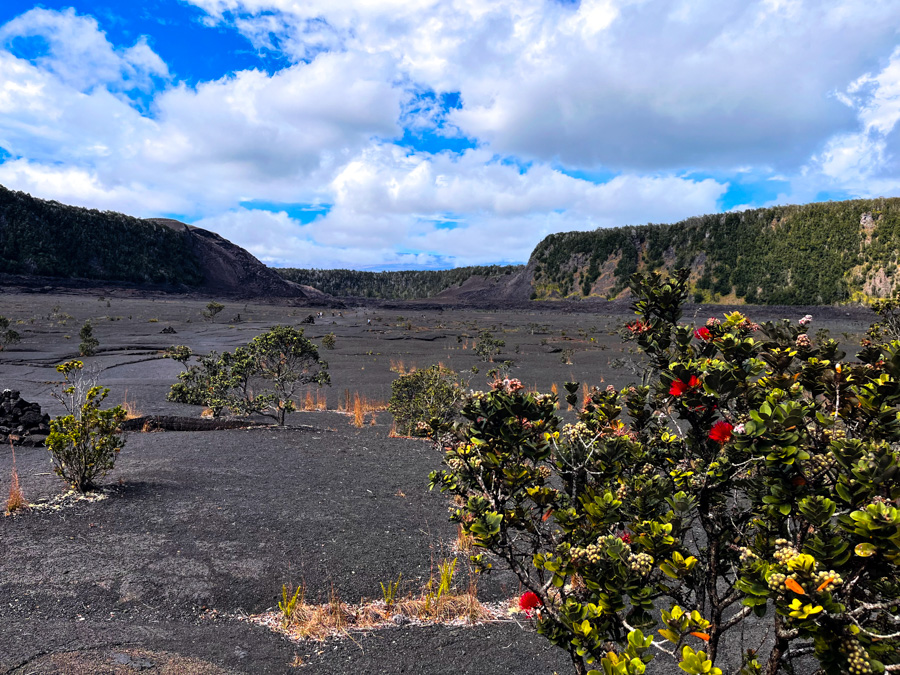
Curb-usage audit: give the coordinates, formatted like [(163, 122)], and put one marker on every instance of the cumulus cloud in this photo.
[(654, 95), (76, 51), (474, 209), (625, 84)]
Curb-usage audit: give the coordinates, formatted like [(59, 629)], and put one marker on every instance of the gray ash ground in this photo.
[(198, 528)]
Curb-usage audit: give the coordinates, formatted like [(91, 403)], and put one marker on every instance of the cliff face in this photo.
[(792, 255)]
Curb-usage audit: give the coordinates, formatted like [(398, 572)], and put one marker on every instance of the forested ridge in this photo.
[(818, 253), (821, 253), (403, 285), (46, 238)]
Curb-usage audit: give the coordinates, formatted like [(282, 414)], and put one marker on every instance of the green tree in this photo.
[(89, 343), (212, 310), (757, 474), (259, 378), (84, 443)]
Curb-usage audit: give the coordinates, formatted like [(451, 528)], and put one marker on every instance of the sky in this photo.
[(425, 134)]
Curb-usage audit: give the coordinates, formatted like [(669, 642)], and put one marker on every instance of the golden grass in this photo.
[(16, 500), (131, 410), (362, 407), (318, 622), (399, 367)]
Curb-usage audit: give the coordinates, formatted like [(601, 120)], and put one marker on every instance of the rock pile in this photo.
[(21, 422)]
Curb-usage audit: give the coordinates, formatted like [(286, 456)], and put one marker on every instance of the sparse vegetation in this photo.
[(16, 500), (488, 346), (84, 443)]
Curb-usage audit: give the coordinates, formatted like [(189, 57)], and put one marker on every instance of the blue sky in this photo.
[(427, 133)]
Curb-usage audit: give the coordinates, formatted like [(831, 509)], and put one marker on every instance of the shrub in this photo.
[(206, 383), (89, 343), (756, 474), (212, 309), (180, 353), (258, 378), (488, 346), (84, 443), (423, 395), (8, 336), (328, 341)]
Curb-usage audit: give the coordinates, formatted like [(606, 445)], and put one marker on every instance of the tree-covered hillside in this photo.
[(46, 238), (813, 254), (406, 285)]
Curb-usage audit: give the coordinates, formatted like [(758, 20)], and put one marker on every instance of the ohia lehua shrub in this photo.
[(755, 474)]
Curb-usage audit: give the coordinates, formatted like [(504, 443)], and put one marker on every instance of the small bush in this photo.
[(8, 336), (89, 343), (488, 346), (212, 309), (423, 395), (328, 341), (84, 443)]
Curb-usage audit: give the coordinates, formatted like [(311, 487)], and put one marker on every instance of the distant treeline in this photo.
[(46, 238), (406, 285), (819, 253)]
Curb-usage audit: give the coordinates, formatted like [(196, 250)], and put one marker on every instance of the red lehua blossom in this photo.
[(702, 333), (721, 432), (625, 537), (678, 388), (529, 602)]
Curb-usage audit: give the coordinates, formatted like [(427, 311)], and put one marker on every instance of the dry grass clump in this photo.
[(319, 402), (16, 500), (397, 366), (131, 410), (438, 603), (362, 407)]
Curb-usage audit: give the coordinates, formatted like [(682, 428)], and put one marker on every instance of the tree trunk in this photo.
[(577, 663)]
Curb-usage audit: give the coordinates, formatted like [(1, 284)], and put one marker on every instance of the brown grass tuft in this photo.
[(335, 617), (131, 411), (359, 413), (308, 402), (16, 500)]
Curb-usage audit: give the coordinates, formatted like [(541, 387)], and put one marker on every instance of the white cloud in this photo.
[(651, 92), (860, 162), (387, 196), (623, 83), (75, 50)]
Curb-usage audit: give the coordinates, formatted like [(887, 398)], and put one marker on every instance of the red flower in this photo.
[(529, 602), (702, 333), (679, 386), (625, 537), (721, 432)]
